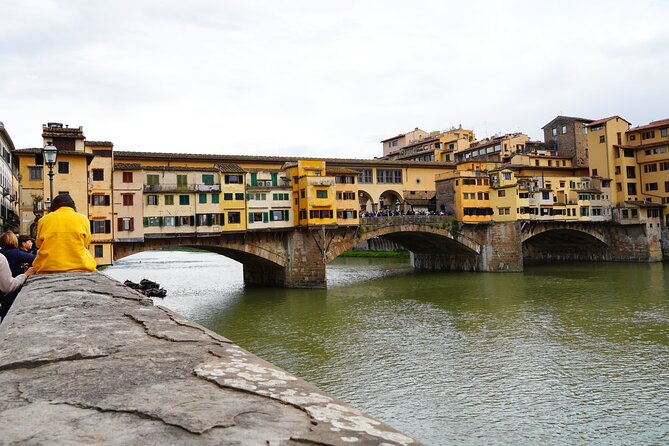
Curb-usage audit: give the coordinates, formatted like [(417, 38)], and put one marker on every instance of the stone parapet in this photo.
[(86, 360)]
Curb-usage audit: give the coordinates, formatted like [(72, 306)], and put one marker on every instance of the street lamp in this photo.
[(50, 152)]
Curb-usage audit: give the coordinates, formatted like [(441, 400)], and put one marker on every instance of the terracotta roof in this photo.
[(127, 166), (602, 121), (394, 137), (644, 204), (179, 169), (652, 125), (340, 171), (643, 146), (99, 143), (38, 150), (239, 159), (567, 118), (230, 168)]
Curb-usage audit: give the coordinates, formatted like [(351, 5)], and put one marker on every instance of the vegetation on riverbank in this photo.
[(377, 254)]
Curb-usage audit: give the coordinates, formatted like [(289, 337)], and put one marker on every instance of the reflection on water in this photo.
[(575, 353)]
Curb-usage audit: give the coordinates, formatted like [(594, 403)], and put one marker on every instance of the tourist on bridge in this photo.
[(19, 259), (63, 236), (10, 285)]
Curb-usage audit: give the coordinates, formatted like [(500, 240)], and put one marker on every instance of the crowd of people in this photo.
[(63, 236), (389, 213)]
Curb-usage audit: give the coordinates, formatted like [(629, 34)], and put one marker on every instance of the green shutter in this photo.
[(250, 217), (161, 220), (146, 222), (177, 221), (254, 179), (285, 215), (274, 179), (265, 218)]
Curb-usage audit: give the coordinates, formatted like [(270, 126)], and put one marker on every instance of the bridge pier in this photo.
[(305, 263), (499, 250)]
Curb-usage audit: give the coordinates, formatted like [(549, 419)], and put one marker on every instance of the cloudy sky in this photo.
[(323, 78)]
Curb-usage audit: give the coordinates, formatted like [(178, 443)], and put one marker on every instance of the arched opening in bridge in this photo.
[(556, 245), (366, 202), (391, 200)]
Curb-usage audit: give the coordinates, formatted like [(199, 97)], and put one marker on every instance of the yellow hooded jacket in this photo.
[(63, 237)]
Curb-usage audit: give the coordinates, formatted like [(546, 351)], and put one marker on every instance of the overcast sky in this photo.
[(323, 78)]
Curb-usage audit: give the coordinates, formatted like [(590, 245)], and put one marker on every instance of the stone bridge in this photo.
[(297, 257)]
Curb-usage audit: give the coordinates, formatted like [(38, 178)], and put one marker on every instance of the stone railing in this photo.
[(86, 360)]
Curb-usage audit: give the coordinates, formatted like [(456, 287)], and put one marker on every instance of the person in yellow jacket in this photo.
[(63, 236)]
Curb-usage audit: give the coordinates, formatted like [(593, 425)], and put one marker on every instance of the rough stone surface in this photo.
[(86, 360)]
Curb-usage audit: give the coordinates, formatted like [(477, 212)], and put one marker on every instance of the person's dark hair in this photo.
[(23, 239), (62, 200)]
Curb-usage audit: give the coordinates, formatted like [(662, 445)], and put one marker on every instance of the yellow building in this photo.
[(346, 190), (100, 209), (233, 216), (269, 199), (504, 197), (607, 161), (496, 149), (650, 145), (436, 146), (465, 194), (313, 193)]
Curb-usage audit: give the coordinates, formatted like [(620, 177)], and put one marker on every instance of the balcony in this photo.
[(320, 181)]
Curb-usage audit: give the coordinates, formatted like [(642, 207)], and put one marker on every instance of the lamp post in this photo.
[(50, 152)]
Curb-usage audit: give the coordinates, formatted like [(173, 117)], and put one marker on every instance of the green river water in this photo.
[(559, 354)]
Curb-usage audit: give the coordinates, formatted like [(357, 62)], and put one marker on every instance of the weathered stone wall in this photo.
[(85, 360), (501, 250)]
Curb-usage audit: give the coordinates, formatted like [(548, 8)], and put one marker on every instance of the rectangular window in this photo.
[(126, 224), (35, 172), (281, 215), (202, 198), (63, 167), (99, 251), (666, 186), (153, 180), (100, 200), (152, 200), (98, 175), (184, 200), (234, 217), (602, 139), (650, 168), (564, 129), (100, 226), (389, 176), (234, 179), (554, 132), (227, 196), (128, 199), (629, 153), (127, 177), (169, 221), (663, 133), (208, 179), (239, 196), (215, 198), (630, 171), (365, 176), (631, 188), (321, 193), (648, 135), (651, 187), (182, 182), (501, 193), (169, 199)]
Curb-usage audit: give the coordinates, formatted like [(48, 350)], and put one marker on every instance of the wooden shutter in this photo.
[(120, 224)]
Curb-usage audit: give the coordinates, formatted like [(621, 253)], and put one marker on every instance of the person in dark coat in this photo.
[(19, 259)]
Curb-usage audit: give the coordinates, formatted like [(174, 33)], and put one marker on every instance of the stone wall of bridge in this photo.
[(86, 360)]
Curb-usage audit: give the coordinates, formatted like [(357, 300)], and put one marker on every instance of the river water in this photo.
[(559, 354)]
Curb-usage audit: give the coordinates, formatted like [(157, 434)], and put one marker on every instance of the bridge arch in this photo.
[(417, 238), (390, 199), (563, 242), (366, 202)]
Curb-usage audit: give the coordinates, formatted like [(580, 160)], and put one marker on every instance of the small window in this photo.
[(202, 198), (153, 180), (501, 193), (564, 129), (99, 251), (184, 200), (208, 179), (663, 133), (239, 196), (602, 139), (100, 200), (169, 199), (152, 200), (128, 199), (35, 172), (234, 217), (227, 196), (215, 198), (321, 193), (98, 175), (63, 167), (127, 177)]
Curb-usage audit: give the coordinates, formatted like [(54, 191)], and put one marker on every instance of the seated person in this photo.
[(63, 236)]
